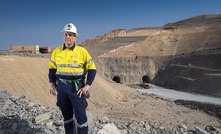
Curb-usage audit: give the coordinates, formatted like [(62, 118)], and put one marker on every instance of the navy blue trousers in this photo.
[(71, 104)]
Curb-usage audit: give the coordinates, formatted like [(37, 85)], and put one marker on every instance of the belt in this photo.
[(66, 81)]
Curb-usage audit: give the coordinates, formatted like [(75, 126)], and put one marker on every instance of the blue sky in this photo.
[(39, 22)]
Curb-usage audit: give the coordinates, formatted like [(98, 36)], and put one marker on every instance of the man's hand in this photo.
[(83, 91), (52, 88)]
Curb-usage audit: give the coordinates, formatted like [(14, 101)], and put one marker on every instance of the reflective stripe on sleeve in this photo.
[(89, 60), (52, 62)]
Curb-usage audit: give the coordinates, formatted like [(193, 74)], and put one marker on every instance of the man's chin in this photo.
[(68, 45)]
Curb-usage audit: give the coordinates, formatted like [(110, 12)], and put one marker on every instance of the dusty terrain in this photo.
[(28, 76)]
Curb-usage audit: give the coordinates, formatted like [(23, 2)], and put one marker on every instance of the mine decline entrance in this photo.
[(117, 79), (146, 79)]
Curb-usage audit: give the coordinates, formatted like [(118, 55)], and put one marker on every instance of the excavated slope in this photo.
[(29, 76)]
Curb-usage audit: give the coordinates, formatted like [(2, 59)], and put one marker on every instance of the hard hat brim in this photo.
[(69, 31)]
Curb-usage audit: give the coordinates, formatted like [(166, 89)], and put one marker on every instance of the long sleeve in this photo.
[(90, 77), (51, 75)]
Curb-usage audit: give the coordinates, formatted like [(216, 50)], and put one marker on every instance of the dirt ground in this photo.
[(28, 76)]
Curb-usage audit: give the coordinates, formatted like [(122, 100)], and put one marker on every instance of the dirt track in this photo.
[(28, 76)]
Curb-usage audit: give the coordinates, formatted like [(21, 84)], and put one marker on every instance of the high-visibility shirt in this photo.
[(71, 63)]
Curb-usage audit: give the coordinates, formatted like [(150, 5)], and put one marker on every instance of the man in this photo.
[(74, 70)]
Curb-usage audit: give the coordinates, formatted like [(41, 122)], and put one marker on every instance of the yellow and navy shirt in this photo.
[(71, 63)]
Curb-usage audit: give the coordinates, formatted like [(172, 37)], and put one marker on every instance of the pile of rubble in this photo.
[(19, 115), (105, 126)]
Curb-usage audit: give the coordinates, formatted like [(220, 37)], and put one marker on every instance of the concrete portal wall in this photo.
[(130, 70)]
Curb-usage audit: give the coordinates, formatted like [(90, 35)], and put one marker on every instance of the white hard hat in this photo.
[(70, 28)]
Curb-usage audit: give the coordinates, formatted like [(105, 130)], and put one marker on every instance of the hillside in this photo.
[(183, 55), (185, 36), (29, 76)]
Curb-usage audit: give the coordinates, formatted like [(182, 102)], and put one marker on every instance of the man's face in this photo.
[(69, 38)]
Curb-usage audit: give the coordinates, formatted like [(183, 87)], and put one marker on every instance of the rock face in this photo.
[(130, 70), (198, 72), (184, 55)]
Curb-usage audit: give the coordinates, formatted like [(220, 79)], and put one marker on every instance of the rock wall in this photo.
[(131, 70), (198, 72)]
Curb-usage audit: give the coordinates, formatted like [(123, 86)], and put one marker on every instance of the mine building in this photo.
[(33, 49)]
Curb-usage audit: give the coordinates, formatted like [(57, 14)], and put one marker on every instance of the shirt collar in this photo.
[(72, 48)]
